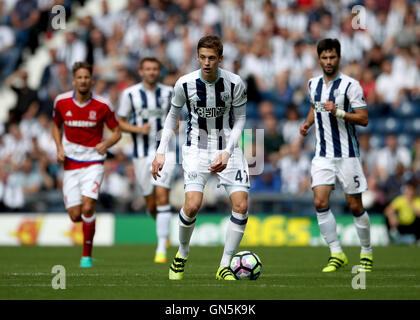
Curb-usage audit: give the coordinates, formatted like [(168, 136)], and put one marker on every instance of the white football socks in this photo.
[(328, 227), (234, 234), (362, 224), (163, 222), (186, 228)]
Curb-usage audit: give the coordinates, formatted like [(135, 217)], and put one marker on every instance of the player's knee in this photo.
[(88, 209), (240, 207), (75, 216), (191, 209), (321, 203), (355, 208)]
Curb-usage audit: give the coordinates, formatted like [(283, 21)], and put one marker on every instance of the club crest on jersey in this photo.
[(194, 100), (92, 115), (225, 96)]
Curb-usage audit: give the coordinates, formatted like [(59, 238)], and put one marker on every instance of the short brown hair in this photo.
[(81, 65), (150, 59), (211, 42)]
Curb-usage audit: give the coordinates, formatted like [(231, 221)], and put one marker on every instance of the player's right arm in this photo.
[(57, 133), (124, 111), (309, 121), (127, 127)]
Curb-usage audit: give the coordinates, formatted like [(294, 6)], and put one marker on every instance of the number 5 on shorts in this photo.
[(356, 180)]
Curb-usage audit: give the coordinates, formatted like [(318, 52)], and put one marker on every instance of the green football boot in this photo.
[(224, 273), (336, 261), (366, 262), (176, 270)]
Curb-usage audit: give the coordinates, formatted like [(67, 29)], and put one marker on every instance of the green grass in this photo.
[(127, 272)]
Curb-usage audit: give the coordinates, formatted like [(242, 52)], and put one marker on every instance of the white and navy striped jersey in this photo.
[(209, 107), (141, 106), (335, 137)]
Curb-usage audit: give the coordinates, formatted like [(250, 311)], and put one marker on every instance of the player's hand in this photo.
[(60, 155), (304, 129), (101, 148), (157, 165), (220, 163), (144, 129), (329, 106)]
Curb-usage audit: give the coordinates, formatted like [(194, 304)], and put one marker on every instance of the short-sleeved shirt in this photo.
[(141, 106), (406, 215), (210, 106), (335, 137), (83, 128)]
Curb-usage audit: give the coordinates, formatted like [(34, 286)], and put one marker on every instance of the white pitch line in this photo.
[(202, 285)]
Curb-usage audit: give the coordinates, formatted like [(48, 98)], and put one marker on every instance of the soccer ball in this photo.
[(246, 265)]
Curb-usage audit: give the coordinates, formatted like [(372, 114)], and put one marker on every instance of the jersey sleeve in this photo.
[(110, 118), (179, 98), (57, 118), (239, 94), (309, 91), (355, 96), (124, 106)]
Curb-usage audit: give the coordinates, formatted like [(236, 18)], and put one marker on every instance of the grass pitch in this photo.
[(128, 272)]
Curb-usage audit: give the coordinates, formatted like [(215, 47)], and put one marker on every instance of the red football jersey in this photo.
[(83, 127)]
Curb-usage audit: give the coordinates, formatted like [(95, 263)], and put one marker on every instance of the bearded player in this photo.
[(337, 107), (79, 117)]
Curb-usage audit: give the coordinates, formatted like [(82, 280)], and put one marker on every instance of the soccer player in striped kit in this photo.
[(79, 117), (216, 103), (337, 106), (142, 112)]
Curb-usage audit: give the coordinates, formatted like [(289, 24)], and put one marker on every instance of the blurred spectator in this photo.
[(295, 170), (115, 188), (273, 140), (72, 50), (24, 18), (56, 79), (290, 130), (27, 105), (403, 214), (368, 154), (9, 53), (11, 194), (28, 178), (415, 156), (106, 20), (390, 155), (374, 199), (368, 84), (387, 89), (268, 181), (16, 145)]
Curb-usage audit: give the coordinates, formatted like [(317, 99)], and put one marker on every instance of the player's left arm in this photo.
[(103, 146), (239, 114), (112, 124), (359, 116)]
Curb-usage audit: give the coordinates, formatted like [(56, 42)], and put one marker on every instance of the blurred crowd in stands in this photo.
[(271, 44)]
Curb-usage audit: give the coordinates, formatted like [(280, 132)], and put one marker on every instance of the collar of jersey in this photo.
[(332, 81), (142, 87), (77, 103), (206, 82)]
